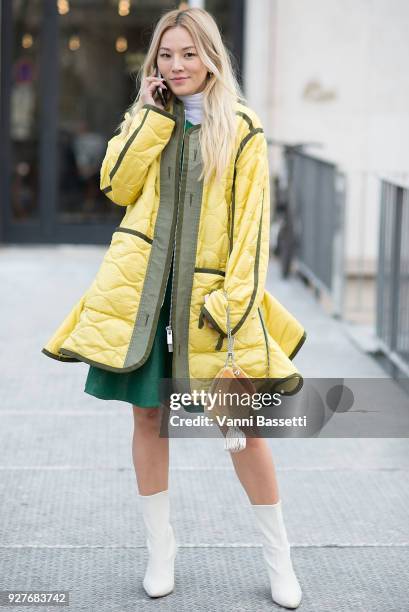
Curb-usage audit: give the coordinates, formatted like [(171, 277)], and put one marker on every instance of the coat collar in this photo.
[(177, 109)]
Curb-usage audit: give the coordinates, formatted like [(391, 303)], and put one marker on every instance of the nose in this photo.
[(177, 65)]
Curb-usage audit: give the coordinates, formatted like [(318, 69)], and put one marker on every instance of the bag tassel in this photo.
[(235, 440)]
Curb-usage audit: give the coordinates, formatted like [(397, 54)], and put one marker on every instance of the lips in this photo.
[(179, 79)]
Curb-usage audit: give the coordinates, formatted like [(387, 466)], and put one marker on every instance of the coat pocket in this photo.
[(133, 232), (117, 287)]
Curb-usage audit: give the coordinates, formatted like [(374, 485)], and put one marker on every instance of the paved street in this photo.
[(69, 510)]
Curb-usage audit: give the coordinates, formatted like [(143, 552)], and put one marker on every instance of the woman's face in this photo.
[(177, 57)]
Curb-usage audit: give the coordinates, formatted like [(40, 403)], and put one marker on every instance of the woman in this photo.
[(193, 179)]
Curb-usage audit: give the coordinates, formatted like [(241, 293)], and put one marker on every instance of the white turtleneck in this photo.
[(193, 107)]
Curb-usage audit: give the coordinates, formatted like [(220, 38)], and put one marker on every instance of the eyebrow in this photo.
[(184, 48)]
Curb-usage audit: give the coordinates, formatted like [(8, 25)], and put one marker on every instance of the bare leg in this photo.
[(255, 468), (150, 452)]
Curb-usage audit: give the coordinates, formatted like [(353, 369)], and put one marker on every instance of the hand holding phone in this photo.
[(162, 94), (154, 90)]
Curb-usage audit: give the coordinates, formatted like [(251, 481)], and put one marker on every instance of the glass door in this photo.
[(19, 108), (97, 50), (68, 69), (67, 77)]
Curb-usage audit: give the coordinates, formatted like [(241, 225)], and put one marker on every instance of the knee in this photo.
[(146, 418)]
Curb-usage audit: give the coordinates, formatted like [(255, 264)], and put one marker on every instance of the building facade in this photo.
[(67, 76)]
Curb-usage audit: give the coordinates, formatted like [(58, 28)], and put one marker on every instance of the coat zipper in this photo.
[(169, 331)]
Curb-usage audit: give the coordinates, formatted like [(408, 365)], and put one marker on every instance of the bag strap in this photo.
[(230, 338)]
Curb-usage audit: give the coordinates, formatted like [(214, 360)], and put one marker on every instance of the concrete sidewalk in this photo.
[(70, 518)]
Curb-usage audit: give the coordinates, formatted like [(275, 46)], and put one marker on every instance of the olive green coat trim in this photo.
[(256, 273), (277, 386), (299, 345), (127, 145), (263, 325), (187, 233), (127, 230), (161, 111), (205, 313), (161, 254), (240, 323), (242, 144), (211, 271), (58, 358)]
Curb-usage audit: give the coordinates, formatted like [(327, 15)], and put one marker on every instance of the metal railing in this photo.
[(318, 199), (392, 316)]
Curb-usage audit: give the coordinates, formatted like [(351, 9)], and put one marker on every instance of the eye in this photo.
[(190, 53)]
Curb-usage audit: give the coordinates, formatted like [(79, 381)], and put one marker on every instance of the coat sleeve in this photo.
[(249, 233), (127, 158)]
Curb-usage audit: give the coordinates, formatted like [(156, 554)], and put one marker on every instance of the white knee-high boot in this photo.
[(159, 578), (285, 588)]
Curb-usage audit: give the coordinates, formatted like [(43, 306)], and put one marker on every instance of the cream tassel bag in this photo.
[(231, 379)]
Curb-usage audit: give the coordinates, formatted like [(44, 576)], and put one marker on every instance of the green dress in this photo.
[(141, 386)]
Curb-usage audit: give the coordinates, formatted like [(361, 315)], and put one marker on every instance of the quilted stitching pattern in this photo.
[(128, 158), (246, 269), (99, 327)]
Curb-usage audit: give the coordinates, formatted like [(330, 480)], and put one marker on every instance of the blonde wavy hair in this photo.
[(218, 127)]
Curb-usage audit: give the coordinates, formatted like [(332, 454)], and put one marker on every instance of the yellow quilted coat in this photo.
[(219, 232)]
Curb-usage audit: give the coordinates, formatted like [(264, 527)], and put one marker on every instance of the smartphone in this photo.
[(161, 93)]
